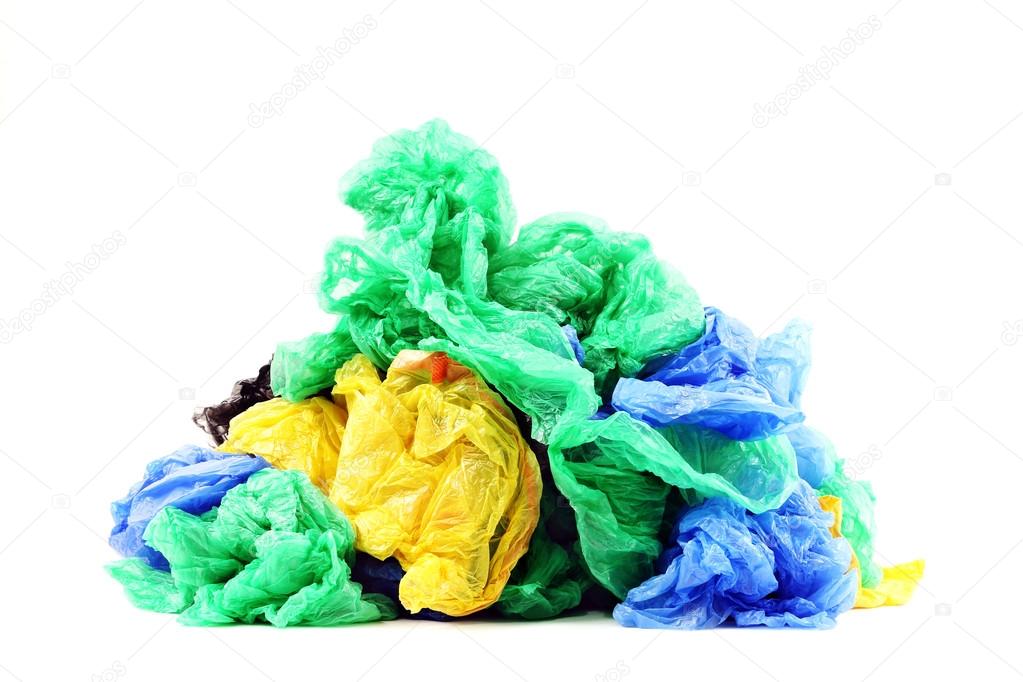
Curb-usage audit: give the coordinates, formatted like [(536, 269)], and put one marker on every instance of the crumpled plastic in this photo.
[(438, 274), (305, 435), (778, 568), (896, 584), (214, 419), (626, 306), (428, 464), (553, 323), (191, 478), (618, 472), (726, 381), (433, 471), (895, 587), (275, 551)]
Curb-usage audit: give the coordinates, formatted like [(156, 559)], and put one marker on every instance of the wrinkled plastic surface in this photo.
[(726, 380), (191, 478), (275, 551), (428, 464), (305, 435), (300, 369), (778, 568), (895, 587), (626, 306), (618, 472), (436, 271), (442, 276), (433, 471), (554, 322), (550, 579), (215, 419)]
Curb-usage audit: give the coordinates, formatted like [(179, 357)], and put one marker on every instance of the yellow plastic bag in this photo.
[(897, 582), (305, 435), (428, 465)]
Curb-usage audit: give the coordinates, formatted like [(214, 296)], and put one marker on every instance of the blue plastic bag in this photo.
[(191, 478), (778, 568), (726, 380)]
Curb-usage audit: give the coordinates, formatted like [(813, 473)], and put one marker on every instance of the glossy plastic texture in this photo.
[(648, 403), (618, 473), (428, 464), (305, 435), (191, 478), (727, 381), (779, 568), (275, 551), (434, 472)]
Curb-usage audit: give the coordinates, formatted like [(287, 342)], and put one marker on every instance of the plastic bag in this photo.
[(895, 587), (618, 472), (726, 381), (275, 551), (433, 471), (428, 464), (626, 305), (191, 478), (214, 419), (438, 222), (300, 369), (305, 435), (778, 568)]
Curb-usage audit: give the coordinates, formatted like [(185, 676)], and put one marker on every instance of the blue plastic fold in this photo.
[(192, 478), (726, 380), (779, 568)]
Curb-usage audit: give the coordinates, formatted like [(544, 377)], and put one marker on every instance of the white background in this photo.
[(883, 207)]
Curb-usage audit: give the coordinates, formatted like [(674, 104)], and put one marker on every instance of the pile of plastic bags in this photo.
[(511, 429)]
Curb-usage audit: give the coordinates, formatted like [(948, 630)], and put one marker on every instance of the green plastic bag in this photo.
[(438, 222), (626, 305), (275, 551)]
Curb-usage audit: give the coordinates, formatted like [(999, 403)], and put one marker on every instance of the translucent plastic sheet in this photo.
[(778, 568), (551, 577), (428, 464), (275, 551), (436, 474), (726, 381), (191, 478), (305, 435), (650, 406), (618, 473), (626, 306)]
